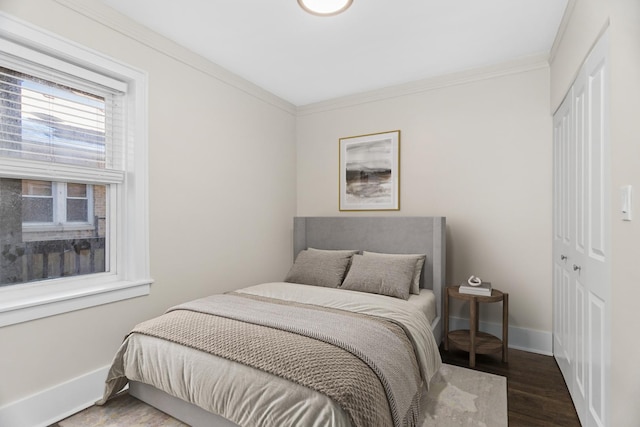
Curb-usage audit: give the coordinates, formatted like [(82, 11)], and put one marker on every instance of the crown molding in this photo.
[(564, 23), (525, 64), (124, 25)]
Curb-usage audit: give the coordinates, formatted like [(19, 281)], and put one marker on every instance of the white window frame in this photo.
[(61, 200), (59, 222), (130, 273)]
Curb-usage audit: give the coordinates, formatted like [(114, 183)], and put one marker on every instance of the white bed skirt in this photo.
[(177, 408)]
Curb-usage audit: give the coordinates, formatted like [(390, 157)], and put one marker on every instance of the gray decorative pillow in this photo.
[(319, 268), (390, 276), (419, 259)]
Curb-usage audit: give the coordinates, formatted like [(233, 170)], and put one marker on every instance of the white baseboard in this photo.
[(56, 403), (530, 340)]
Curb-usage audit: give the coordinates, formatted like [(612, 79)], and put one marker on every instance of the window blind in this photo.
[(50, 130)]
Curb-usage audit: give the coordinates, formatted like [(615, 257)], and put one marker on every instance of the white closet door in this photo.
[(562, 239), (594, 271), (581, 241)]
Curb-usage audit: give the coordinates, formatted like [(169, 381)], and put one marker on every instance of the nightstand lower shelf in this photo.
[(485, 343)]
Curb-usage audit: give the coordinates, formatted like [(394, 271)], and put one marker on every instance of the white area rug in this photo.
[(457, 397), (464, 397)]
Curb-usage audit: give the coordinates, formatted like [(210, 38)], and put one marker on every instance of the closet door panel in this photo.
[(580, 150), (596, 202), (597, 361), (562, 240)]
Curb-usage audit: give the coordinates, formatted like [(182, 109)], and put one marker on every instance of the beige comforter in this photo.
[(250, 396)]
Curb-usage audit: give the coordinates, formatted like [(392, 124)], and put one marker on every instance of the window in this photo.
[(58, 204), (76, 207), (73, 184), (37, 201)]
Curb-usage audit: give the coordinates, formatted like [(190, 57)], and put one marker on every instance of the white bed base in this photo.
[(376, 234), (179, 409)]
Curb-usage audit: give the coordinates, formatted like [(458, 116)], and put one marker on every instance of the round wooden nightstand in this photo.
[(472, 340)]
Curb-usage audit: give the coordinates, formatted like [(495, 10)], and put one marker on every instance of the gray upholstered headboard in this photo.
[(409, 235)]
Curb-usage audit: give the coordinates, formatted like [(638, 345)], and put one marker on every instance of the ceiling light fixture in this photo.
[(325, 7)]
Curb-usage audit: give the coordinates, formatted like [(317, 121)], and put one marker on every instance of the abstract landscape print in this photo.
[(370, 172)]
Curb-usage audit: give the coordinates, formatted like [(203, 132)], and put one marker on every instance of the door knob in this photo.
[(576, 267), (563, 257)]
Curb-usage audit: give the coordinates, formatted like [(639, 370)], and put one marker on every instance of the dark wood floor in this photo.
[(536, 391)]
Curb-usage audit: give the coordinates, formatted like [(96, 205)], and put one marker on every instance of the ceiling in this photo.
[(306, 59)]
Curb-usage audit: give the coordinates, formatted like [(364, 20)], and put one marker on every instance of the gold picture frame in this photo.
[(370, 172)]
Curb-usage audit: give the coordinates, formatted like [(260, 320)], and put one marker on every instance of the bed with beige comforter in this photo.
[(284, 354)]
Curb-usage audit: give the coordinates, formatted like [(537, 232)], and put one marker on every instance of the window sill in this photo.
[(48, 299), (68, 226)]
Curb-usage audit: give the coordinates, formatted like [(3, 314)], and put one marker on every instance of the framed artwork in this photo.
[(370, 172)]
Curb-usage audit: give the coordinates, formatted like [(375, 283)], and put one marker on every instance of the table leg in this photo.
[(505, 328), (473, 328), (446, 319)]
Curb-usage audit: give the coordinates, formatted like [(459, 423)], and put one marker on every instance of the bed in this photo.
[(357, 354)]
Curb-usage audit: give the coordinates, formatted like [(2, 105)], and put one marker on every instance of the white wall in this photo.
[(474, 148), (222, 198), (587, 21)]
